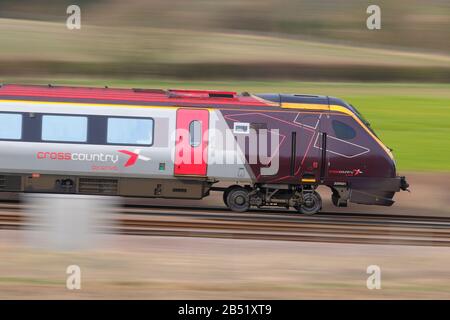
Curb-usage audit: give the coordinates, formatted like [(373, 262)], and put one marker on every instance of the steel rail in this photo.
[(220, 223)]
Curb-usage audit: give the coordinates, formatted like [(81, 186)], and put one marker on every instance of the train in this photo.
[(259, 150)]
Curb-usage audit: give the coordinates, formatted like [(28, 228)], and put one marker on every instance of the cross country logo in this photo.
[(133, 157), (348, 173)]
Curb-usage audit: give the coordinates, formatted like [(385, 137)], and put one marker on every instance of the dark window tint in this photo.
[(64, 128), (10, 126), (343, 131)]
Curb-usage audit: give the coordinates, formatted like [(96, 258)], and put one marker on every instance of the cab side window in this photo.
[(342, 130)]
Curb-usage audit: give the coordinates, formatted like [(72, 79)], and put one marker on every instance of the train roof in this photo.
[(137, 96)]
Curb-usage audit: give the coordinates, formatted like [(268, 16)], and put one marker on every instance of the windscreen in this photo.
[(361, 117)]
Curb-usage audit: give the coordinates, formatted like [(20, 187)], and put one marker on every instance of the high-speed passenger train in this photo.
[(264, 149)]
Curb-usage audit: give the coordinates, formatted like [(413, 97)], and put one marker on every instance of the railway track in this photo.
[(216, 222)]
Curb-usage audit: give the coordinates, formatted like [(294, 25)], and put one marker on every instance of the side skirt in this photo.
[(111, 186)]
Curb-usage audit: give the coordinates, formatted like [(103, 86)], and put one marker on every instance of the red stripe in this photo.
[(115, 94)]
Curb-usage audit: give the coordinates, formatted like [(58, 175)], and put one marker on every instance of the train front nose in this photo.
[(378, 190), (400, 181)]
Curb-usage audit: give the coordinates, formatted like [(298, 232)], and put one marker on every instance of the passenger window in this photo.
[(195, 133), (64, 128), (130, 131), (10, 126), (343, 131)]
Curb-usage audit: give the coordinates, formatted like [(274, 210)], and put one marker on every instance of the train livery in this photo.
[(259, 150)]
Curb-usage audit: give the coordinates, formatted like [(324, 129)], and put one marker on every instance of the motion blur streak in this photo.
[(264, 39), (66, 222)]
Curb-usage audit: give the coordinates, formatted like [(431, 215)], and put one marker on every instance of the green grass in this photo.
[(417, 128), (412, 119)]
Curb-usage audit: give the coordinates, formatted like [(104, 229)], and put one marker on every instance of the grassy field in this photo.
[(139, 51), (52, 42), (412, 119)]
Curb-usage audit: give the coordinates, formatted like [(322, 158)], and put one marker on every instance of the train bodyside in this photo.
[(319, 141), (98, 167)]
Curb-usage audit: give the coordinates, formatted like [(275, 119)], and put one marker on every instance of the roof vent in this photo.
[(306, 95), (221, 95), (157, 91), (201, 94)]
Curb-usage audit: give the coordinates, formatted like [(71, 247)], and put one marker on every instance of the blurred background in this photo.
[(236, 39), (323, 47), (398, 77)]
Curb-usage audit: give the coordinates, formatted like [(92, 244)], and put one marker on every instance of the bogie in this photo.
[(303, 198), (311, 203)]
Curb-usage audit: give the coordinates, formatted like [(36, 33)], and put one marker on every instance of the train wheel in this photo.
[(238, 199), (312, 203), (225, 197)]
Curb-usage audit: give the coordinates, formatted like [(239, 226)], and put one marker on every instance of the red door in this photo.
[(191, 142)]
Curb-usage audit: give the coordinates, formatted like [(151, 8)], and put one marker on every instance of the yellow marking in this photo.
[(93, 104), (305, 106), (268, 102), (308, 180), (86, 104), (79, 104)]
